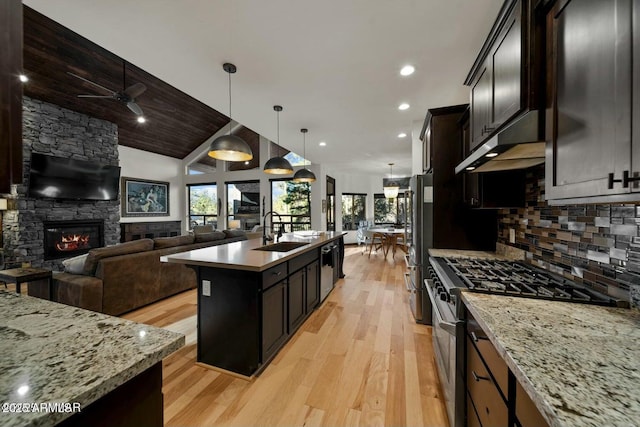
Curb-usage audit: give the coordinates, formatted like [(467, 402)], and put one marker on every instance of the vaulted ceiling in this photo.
[(332, 64)]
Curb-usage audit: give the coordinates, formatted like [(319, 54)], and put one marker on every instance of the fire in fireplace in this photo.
[(63, 239)]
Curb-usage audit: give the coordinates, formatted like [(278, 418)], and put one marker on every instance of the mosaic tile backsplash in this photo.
[(595, 244)]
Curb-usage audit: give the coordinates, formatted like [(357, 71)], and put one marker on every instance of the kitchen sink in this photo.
[(281, 246)]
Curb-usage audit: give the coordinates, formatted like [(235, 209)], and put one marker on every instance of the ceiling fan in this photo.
[(127, 96)]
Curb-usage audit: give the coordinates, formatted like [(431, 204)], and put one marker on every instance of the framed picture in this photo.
[(142, 197)]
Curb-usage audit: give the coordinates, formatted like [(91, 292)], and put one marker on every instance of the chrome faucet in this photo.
[(266, 239)]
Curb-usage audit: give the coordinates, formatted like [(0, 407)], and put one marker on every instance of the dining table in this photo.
[(391, 238)]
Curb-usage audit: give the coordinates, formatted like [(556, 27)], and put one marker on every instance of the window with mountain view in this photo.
[(203, 204), (292, 201)]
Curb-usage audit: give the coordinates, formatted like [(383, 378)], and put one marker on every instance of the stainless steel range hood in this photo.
[(518, 146)]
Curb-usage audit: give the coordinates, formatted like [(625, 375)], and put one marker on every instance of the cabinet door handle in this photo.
[(277, 273), (478, 377), (626, 179), (612, 181), (475, 338)]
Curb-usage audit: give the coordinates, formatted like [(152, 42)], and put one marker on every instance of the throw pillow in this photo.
[(75, 265)]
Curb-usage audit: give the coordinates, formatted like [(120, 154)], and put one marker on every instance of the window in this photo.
[(243, 204), (353, 210), (292, 201), (203, 204), (389, 211)]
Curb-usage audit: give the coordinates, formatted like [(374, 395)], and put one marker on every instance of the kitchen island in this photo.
[(62, 365), (252, 299), (578, 363)]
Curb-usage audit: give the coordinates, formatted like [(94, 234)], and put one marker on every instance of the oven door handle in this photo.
[(408, 262), (449, 327), (407, 281)]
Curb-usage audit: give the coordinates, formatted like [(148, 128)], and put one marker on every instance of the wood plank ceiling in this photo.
[(176, 123)]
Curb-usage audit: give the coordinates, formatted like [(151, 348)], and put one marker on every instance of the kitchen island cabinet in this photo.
[(104, 370), (250, 301), (592, 102), (569, 364)]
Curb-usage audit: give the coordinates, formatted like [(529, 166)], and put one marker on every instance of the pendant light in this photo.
[(391, 189), (230, 147), (304, 174), (278, 165)]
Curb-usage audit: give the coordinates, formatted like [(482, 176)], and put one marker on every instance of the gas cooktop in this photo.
[(518, 279)]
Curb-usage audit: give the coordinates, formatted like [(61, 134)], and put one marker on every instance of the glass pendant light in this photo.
[(304, 174), (391, 189), (230, 147), (278, 165)]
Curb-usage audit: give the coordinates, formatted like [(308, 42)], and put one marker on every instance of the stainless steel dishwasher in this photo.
[(327, 272)]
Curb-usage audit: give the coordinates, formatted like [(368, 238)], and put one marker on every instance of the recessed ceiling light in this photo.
[(407, 70), (491, 155), (322, 144), (402, 135), (470, 168), (403, 106), (23, 78), (141, 119)]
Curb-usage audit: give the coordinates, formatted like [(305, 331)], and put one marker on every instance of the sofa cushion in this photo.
[(234, 233), (75, 265), (96, 255), (209, 237), (198, 229), (169, 242)]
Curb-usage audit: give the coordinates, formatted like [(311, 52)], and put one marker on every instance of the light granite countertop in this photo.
[(579, 363), (243, 256), (54, 353)]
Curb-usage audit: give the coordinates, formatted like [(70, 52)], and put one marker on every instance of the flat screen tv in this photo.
[(71, 179)]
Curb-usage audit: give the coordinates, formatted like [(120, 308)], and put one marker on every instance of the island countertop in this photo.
[(579, 363), (54, 353), (243, 256)]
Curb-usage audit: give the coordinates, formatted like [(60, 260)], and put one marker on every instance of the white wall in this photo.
[(144, 165)]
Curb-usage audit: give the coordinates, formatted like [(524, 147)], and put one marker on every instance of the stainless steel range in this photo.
[(447, 277)]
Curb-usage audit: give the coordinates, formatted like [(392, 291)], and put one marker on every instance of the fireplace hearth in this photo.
[(64, 239)]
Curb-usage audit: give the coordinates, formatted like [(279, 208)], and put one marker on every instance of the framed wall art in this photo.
[(143, 197)]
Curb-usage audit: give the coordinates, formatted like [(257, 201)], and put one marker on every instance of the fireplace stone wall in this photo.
[(56, 131)]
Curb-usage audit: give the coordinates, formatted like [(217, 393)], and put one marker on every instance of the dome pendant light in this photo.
[(230, 147), (391, 189), (304, 174), (278, 165)]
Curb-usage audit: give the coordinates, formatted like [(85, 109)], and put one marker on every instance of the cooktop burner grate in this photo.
[(518, 279)]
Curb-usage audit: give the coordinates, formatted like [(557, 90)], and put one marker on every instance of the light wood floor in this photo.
[(358, 360)]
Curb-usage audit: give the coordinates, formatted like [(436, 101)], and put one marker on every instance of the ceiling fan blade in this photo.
[(135, 90), (135, 108), (95, 96), (91, 83)]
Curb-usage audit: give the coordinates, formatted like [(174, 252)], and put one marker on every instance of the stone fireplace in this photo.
[(63, 239), (27, 229)]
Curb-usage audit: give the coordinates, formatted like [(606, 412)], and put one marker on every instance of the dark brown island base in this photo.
[(253, 297)]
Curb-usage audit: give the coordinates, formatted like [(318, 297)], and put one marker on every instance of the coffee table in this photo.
[(28, 274)]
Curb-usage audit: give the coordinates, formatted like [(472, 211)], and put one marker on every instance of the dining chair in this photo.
[(378, 241)]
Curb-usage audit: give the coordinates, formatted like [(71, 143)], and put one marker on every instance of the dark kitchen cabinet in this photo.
[(494, 396), (503, 78), (274, 319), (297, 300), (592, 100), (312, 285)]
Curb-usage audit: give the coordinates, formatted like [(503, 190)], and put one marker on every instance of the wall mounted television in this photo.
[(71, 179)]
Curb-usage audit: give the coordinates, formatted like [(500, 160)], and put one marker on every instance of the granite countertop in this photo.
[(579, 363), (54, 353), (242, 256)]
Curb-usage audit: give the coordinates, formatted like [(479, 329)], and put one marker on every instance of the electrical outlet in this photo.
[(512, 235), (206, 288), (634, 296)]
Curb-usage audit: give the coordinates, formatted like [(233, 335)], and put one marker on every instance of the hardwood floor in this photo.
[(358, 360)]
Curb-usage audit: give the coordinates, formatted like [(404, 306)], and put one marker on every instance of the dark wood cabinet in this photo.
[(504, 77), (590, 74), (274, 319), (297, 300), (312, 285), (494, 395)]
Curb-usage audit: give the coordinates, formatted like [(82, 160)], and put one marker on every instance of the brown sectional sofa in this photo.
[(121, 278)]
